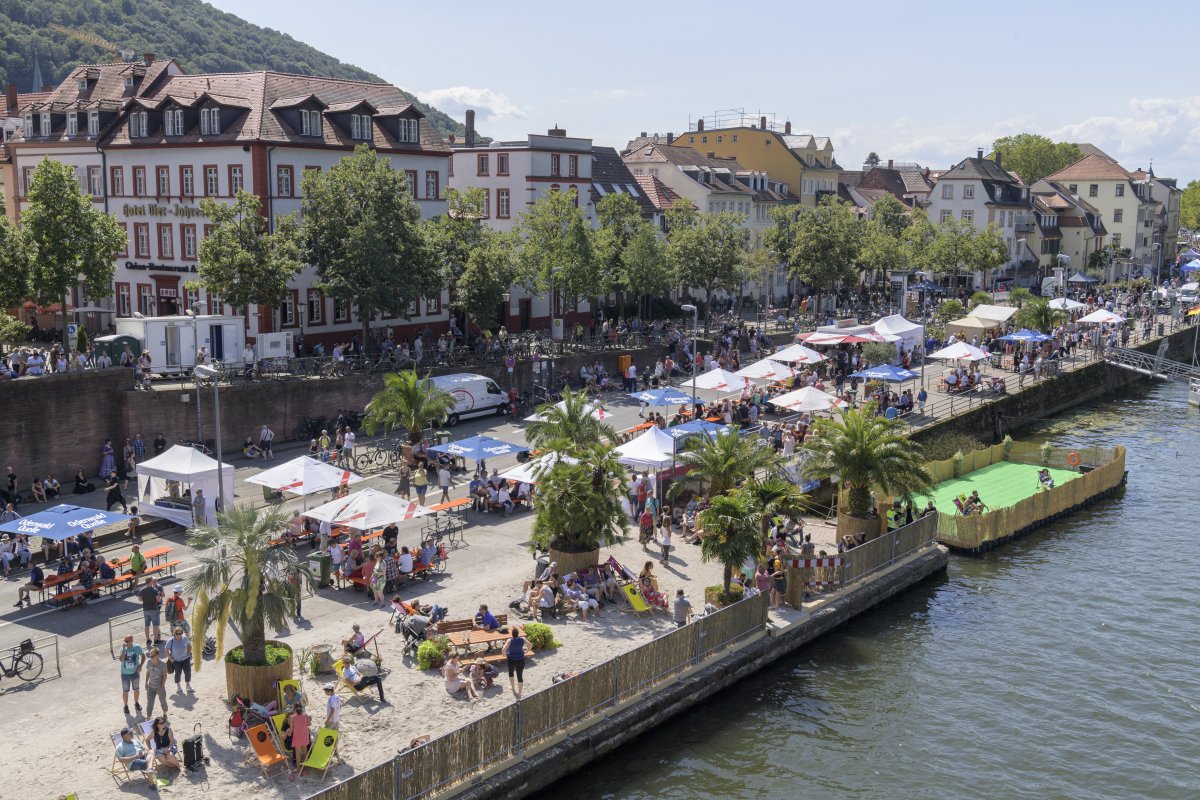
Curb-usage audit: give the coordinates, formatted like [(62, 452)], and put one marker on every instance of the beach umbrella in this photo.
[(797, 354), (59, 522), (887, 372), (666, 396), (807, 399), (1190, 266), (1063, 304), (766, 370), (303, 476), (478, 448), (960, 351), (719, 380), (1026, 335), (367, 509), (1079, 277), (1102, 316), (534, 469)]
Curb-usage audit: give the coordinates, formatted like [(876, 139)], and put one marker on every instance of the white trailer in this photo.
[(172, 341)]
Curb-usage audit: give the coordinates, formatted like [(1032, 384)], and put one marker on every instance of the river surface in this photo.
[(1067, 665)]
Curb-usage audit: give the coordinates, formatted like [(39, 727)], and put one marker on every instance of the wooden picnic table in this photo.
[(463, 641), (55, 581), (451, 505), (151, 557)]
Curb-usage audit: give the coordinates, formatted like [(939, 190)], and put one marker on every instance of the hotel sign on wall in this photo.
[(152, 210)]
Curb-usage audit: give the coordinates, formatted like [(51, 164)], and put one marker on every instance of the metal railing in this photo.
[(37, 643), (122, 625), (867, 559)]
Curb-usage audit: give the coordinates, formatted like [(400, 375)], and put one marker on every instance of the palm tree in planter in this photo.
[(1039, 315), (410, 402), (719, 463), (568, 427), (773, 496), (244, 580), (731, 535), (578, 508), (863, 450)]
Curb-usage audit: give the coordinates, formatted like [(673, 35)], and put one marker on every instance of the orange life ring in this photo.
[(1073, 458)]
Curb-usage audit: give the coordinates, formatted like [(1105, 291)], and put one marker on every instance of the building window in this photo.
[(46, 125), (555, 164), (968, 216), (235, 179), (1120, 190), (433, 305), (947, 191), (187, 235), (720, 139), (123, 309), (72, 124), (573, 166), (1116, 240), (360, 126), (93, 123), (173, 122), (946, 214), (139, 125), (210, 181), (210, 121), (1094, 190), (187, 181), (287, 312), (117, 177), (125, 236), (310, 122), (968, 192), (145, 300), (316, 308), (481, 164), (410, 130), (433, 189), (139, 181), (283, 181), (166, 242), (411, 175), (487, 203), (191, 297), (95, 182), (341, 311), (164, 181), (1073, 188), (502, 204), (502, 164), (1118, 215), (27, 124)]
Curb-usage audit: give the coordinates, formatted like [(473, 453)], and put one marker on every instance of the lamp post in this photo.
[(688, 308), (205, 371), (550, 387), (192, 312)]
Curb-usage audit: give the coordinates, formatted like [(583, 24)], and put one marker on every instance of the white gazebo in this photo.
[(911, 334), (807, 399), (163, 479), (797, 354), (655, 449), (1100, 316), (532, 471), (720, 381), (766, 370), (303, 476), (367, 509)]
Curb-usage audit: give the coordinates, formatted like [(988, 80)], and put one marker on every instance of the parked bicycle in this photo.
[(24, 662), (309, 428), (384, 453), (204, 446)]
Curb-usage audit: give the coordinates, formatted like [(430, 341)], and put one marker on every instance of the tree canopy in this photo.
[(1033, 156), (1189, 209), (242, 259), (823, 243), (704, 250), (556, 248)]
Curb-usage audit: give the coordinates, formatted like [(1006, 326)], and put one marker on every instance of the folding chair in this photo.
[(343, 685), (635, 599), (118, 771), (263, 749), (277, 721), (281, 686), (322, 753)]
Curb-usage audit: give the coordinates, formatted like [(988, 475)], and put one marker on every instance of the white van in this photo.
[(1189, 293), (474, 395)]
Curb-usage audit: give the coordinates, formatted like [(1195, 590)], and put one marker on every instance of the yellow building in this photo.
[(802, 161)]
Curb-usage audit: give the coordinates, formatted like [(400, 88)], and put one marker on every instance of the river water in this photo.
[(1067, 665)]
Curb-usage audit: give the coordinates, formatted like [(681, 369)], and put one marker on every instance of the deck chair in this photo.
[(343, 685), (118, 771), (280, 686), (262, 748), (322, 753), (277, 721), (635, 599)]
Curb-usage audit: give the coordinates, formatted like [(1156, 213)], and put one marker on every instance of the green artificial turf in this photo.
[(1001, 485)]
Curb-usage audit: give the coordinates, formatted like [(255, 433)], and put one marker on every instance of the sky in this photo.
[(924, 81)]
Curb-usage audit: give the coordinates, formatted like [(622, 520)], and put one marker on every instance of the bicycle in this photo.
[(203, 446), (25, 663)]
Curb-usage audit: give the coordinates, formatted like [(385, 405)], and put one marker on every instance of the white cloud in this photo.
[(488, 104), (615, 94)]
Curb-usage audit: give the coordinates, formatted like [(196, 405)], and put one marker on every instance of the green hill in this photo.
[(201, 38)]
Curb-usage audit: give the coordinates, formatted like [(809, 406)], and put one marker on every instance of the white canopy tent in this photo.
[(163, 479), (1102, 316), (970, 326), (720, 381), (303, 476), (531, 471), (911, 334), (654, 449), (797, 354), (992, 314), (960, 351), (1066, 304), (807, 399), (766, 370), (367, 509)]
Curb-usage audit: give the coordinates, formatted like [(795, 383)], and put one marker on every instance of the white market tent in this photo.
[(807, 399), (797, 354), (766, 370), (1100, 315), (531, 471), (367, 509), (993, 314), (162, 479), (303, 476), (960, 351), (721, 381), (595, 411), (970, 326), (911, 334), (653, 449), (1064, 304)]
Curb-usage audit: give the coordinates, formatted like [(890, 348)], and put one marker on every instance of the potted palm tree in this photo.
[(242, 579), (407, 402), (1037, 314), (864, 451), (578, 508), (568, 427), (731, 536), (770, 497), (719, 463)]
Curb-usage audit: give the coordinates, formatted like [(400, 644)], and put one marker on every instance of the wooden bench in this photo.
[(457, 625), (167, 567), (60, 599), (451, 505), (500, 658)]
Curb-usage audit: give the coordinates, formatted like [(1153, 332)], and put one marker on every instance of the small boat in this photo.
[(1194, 392)]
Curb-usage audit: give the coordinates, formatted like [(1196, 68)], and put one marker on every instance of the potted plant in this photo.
[(407, 402), (432, 653), (578, 508), (540, 636), (731, 534), (242, 579)]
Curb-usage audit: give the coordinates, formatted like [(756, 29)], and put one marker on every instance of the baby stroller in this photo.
[(415, 629), (247, 714)]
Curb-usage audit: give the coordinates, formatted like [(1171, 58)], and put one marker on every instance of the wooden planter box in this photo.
[(870, 526), (573, 562), (257, 683)]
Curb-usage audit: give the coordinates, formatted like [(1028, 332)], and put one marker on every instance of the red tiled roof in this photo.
[(23, 100), (1091, 167), (661, 195)]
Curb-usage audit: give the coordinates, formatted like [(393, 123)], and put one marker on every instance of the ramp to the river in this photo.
[(1000, 485)]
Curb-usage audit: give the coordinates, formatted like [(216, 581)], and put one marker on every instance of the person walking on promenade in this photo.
[(179, 653), (151, 596), (114, 497), (156, 682), (131, 658), (514, 655), (265, 437)]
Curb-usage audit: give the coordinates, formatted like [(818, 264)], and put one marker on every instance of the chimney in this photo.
[(556, 131), (979, 153), (700, 125), (762, 123), (998, 160), (787, 128), (889, 163), (10, 97), (148, 58), (643, 134), (452, 138), (469, 139), (670, 137)]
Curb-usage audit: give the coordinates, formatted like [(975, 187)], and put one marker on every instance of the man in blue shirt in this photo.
[(36, 579), (485, 620), (132, 753)]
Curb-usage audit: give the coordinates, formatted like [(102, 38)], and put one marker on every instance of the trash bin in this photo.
[(441, 437), (271, 495), (623, 362), (321, 566), (323, 654)]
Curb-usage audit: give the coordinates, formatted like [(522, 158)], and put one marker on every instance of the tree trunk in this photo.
[(858, 500), (254, 638), (727, 578), (365, 319)]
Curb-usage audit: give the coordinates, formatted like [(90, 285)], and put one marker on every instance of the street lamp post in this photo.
[(205, 371), (688, 308)]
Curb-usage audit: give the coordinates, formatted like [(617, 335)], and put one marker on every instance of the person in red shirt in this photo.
[(645, 528)]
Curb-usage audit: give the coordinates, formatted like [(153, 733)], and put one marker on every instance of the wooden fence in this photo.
[(457, 757), (979, 532), (1021, 453)]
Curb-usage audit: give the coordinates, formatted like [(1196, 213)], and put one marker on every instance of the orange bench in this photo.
[(451, 505)]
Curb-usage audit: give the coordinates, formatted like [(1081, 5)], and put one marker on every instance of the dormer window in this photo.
[(28, 125), (45, 124), (72, 124), (83, 85), (410, 130), (310, 122), (93, 123), (360, 126), (139, 124), (128, 81), (210, 121), (173, 122)]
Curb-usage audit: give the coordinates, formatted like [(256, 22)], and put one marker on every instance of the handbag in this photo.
[(170, 667)]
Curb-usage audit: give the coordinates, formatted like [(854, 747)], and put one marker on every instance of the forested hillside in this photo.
[(201, 38)]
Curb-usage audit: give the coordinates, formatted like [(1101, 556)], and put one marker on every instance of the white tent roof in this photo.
[(1065, 304), (807, 399), (654, 448), (797, 354), (531, 471), (844, 330), (992, 313), (597, 412), (766, 370), (969, 324), (717, 380), (960, 351), (181, 463), (367, 509), (303, 475), (1100, 315), (896, 324)]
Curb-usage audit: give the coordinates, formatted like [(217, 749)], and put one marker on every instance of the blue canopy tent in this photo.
[(1189, 255), (478, 448), (1026, 335), (926, 286), (1190, 266), (666, 396), (887, 372), (1079, 277), (696, 427), (61, 521)]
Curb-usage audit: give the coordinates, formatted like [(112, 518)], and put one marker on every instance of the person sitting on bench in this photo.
[(485, 620)]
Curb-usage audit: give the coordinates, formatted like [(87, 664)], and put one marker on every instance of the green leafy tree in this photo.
[(457, 234), (1019, 296), (15, 264), (881, 252), (1033, 156), (719, 463), (826, 242), (407, 402), (890, 215), (770, 497), (647, 272), (70, 242), (557, 256), (1189, 206), (706, 251), (876, 353), (579, 505), (864, 451), (242, 259), (12, 330), (488, 275), (872, 159), (919, 236), (241, 577), (953, 248), (991, 251), (731, 534), (1037, 314), (362, 231), (81, 340), (619, 217), (948, 310), (568, 427), (758, 264), (979, 298)]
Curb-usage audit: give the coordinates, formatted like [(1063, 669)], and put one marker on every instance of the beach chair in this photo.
[(322, 753), (635, 599), (277, 734), (343, 685), (281, 686), (120, 772), (263, 749)]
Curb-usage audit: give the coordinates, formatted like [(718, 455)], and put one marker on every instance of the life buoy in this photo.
[(1073, 458)]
